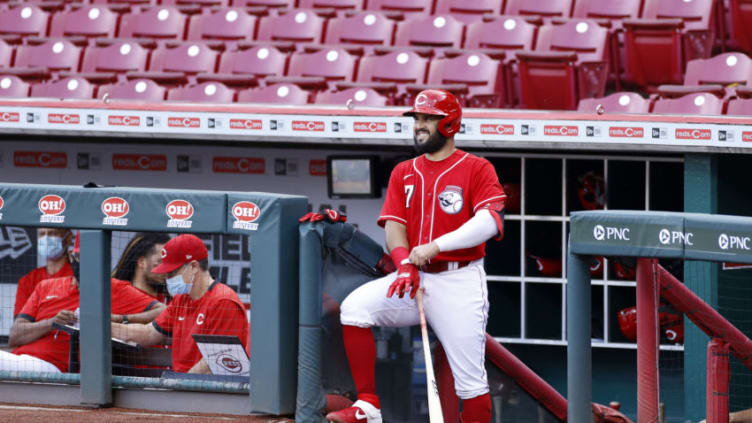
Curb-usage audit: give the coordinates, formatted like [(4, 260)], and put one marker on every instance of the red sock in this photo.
[(477, 409), (361, 353)]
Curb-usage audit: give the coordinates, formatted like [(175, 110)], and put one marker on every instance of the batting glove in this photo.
[(330, 215), (408, 279)]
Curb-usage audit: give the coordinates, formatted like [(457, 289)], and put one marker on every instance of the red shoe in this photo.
[(360, 412)]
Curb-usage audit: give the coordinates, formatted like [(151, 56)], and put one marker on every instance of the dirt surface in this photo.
[(17, 413)]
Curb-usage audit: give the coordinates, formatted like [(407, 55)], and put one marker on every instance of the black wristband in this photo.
[(125, 319)]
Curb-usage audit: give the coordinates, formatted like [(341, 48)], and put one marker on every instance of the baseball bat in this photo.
[(435, 414)]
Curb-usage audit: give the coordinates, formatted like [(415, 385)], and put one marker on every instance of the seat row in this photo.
[(701, 103)]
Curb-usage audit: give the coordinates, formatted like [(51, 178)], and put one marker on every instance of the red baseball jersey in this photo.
[(433, 198), (218, 312), (29, 281), (54, 295)]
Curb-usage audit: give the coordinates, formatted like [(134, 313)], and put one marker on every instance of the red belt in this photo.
[(443, 266)]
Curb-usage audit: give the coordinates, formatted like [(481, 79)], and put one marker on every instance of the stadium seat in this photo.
[(12, 87), (741, 104), (407, 7), (364, 97), (85, 22), (206, 92), (478, 80), (741, 23), (430, 31), (174, 66), (38, 61), (335, 4), (126, 2), (542, 8), (506, 33), (570, 62), (368, 28), (622, 102), (469, 11), (296, 26), (223, 24), (264, 3), (6, 54), (313, 70), (24, 21), (692, 104), (671, 33), (282, 93), (390, 73), (156, 22), (70, 88), (717, 75), (244, 68), (121, 57), (137, 89), (201, 3)]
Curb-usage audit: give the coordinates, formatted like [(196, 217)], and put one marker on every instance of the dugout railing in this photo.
[(661, 235), (271, 221)]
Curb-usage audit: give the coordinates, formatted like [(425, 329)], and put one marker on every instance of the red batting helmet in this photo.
[(442, 103)]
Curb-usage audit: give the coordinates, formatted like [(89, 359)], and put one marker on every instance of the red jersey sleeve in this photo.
[(163, 322), (397, 196), (128, 300), (487, 191), (31, 307), (23, 292), (229, 318)]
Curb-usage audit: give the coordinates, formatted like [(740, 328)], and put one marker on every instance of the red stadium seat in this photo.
[(265, 3), (206, 92), (542, 8), (126, 2), (614, 11), (335, 4), (87, 21), (623, 102), (296, 26), (741, 23), (156, 22), (725, 69), (479, 79), (332, 64), (364, 97), (137, 89), (187, 58), (24, 21), (741, 105), (430, 31), (407, 7), (570, 62), (72, 87), (6, 54), (507, 33), (120, 57), (223, 24), (368, 28), (13, 86), (469, 11), (259, 61), (692, 104), (202, 3), (389, 74), (275, 94), (52, 56), (671, 33)]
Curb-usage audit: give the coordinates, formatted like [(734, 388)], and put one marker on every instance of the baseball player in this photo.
[(52, 244), (39, 347), (440, 209), (140, 257), (199, 305)]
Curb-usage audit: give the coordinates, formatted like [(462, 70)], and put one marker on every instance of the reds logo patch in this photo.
[(230, 363), (451, 200)]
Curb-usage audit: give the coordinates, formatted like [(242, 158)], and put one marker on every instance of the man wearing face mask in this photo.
[(136, 265), (199, 305), (37, 345), (52, 244)]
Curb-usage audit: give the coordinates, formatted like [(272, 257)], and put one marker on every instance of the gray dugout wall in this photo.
[(633, 234), (271, 221)]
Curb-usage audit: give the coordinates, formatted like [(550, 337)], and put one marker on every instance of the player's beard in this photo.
[(434, 143), (157, 283)]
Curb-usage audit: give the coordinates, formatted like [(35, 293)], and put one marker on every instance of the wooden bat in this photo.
[(435, 414)]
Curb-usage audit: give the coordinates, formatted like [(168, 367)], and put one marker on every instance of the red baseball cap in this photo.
[(181, 250)]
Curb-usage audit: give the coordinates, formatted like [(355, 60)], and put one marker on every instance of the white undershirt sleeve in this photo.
[(475, 231)]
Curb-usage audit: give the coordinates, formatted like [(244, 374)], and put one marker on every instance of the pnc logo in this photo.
[(10, 117), (567, 131), (115, 207), (601, 233), (245, 124), (626, 132), (183, 122), (490, 129), (666, 237), (179, 210), (123, 120), (734, 242), (369, 127), (63, 118), (693, 134), (245, 211), (51, 205), (308, 125)]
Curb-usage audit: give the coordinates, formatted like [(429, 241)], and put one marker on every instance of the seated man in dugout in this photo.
[(200, 305), (136, 265), (37, 346)]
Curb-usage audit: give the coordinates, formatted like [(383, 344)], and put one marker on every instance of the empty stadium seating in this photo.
[(622, 102)]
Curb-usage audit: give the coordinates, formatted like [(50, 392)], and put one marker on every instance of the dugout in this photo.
[(556, 162)]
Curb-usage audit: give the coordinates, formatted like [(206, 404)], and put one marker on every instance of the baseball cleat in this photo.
[(360, 412)]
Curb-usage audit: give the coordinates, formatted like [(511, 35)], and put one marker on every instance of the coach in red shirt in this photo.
[(39, 347), (199, 305)]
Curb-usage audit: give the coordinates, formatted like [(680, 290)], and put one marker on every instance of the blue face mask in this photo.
[(50, 247), (176, 285)]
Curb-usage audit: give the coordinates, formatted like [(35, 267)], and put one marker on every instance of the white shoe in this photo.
[(359, 412)]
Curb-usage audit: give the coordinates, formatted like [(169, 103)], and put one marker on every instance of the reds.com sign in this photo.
[(490, 129), (156, 162), (115, 209), (626, 132), (564, 130), (693, 134), (245, 213), (747, 136), (179, 212), (245, 124), (183, 122), (317, 167), (64, 118), (123, 120), (52, 207), (54, 159), (10, 117), (308, 125), (369, 126), (255, 165)]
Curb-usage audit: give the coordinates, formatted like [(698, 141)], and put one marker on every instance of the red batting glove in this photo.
[(407, 279), (329, 214)]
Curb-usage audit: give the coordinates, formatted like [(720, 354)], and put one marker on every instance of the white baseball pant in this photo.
[(25, 363)]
